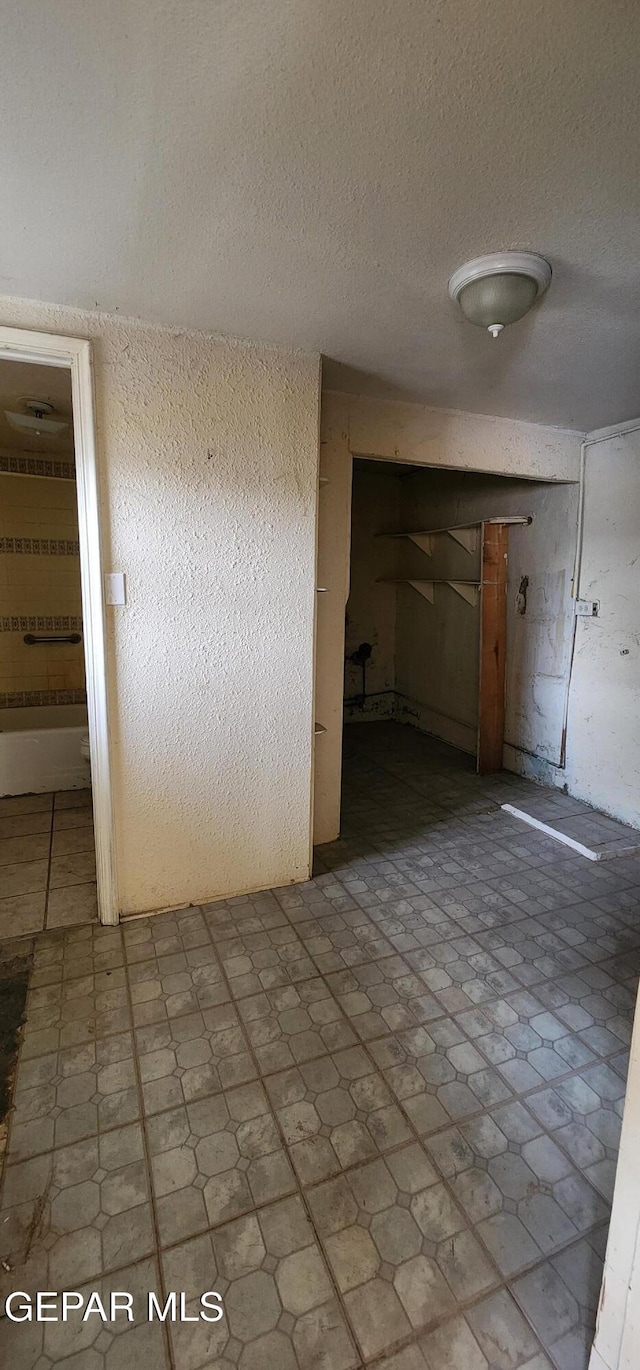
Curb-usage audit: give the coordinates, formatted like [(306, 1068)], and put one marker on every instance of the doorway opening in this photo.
[(459, 612), (55, 870)]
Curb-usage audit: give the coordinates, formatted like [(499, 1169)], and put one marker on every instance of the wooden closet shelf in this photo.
[(467, 589)]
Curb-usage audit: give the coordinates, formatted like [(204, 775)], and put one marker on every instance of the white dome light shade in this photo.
[(37, 419), (33, 423), (496, 290)]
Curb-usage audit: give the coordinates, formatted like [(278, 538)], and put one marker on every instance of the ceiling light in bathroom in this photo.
[(498, 289), (37, 419)]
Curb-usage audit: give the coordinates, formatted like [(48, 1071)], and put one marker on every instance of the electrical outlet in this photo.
[(587, 608)]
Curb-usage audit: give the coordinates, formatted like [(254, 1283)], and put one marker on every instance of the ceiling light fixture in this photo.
[(495, 290), (37, 419)]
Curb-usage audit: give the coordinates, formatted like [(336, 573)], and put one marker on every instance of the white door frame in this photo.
[(74, 354)]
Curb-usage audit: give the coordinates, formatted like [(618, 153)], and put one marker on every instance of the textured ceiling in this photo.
[(310, 174)]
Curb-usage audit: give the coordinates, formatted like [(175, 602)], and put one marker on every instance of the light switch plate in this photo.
[(587, 608), (115, 589)]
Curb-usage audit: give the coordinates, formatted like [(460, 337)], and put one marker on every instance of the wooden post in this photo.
[(493, 642)]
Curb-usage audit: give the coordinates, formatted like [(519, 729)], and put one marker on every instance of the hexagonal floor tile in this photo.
[(191, 1057), (215, 1159), (399, 1247), (294, 1023), (520, 1190), (259, 961), (94, 1344), (335, 1112), (437, 1074), (280, 1308)]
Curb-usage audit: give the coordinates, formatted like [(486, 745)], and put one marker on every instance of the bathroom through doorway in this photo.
[(56, 841)]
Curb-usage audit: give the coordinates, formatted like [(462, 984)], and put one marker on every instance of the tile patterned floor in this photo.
[(378, 1112), (47, 862), (569, 818)]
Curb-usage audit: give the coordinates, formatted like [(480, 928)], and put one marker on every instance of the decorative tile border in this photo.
[(22, 624), (43, 547), (28, 699), (37, 466)]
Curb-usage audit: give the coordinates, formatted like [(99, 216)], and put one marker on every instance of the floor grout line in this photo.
[(462, 1306), (444, 1014), (299, 1186), (476, 1042), (363, 870), (452, 1123), (147, 1164), (444, 1179), (46, 897)]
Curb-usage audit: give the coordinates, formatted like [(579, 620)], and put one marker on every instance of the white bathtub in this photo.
[(40, 749)]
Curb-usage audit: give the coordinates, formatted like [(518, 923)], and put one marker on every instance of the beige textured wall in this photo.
[(208, 453), (603, 738), (470, 442), (334, 535), (39, 587)]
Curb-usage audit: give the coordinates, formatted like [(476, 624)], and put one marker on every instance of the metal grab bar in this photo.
[(35, 639)]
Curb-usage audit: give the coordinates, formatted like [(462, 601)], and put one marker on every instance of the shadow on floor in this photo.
[(379, 1110)]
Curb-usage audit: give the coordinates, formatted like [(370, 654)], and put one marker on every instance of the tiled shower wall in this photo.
[(39, 590)]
